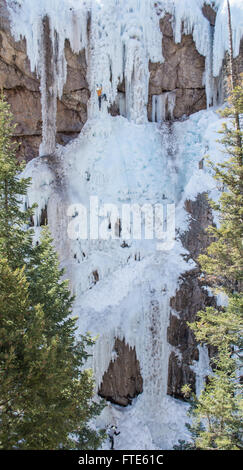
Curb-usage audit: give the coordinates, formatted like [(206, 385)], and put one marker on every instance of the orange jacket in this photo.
[(99, 91)]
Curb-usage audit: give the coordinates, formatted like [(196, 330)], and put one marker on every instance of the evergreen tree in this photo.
[(45, 392), (222, 264), (217, 413), (15, 243), (21, 341), (219, 407)]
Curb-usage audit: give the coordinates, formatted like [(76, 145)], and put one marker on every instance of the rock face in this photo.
[(209, 13), (122, 381), (181, 72), (189, 299), (22, 89)]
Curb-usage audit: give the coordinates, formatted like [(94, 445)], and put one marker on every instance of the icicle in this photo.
[(171, 103), (163, 106), (201, 368), (154, 108), (221, 36), (46, 27), (124, 37), (121, 103)]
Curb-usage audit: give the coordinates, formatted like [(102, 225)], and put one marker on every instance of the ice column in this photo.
[(46, 26), (163, 106), (48, 89), (125, 35)]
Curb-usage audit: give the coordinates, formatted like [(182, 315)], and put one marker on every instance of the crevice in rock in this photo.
[(43, 217)]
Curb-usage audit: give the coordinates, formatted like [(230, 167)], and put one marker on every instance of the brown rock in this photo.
[(122, 381), (178, 374), (209, 13), (22, 88), (188, 300), (27, 146), (26, 109), (76, 70), (182, 72), (188, 101), (196, 239)]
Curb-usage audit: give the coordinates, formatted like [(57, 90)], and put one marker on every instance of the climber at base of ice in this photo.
[(100, 95), (112, 431)]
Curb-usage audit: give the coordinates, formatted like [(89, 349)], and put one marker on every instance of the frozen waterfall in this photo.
[(123, 161)]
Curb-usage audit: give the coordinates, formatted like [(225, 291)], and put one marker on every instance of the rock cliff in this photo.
[(181, 72), (22, 89)]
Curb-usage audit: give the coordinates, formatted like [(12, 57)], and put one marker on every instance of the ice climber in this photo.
[(112, 431), (100, 95)]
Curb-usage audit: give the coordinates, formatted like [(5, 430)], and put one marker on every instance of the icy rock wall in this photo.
[(22, 90), (124, 37), (46, 26), (124, 290), (120, 39)]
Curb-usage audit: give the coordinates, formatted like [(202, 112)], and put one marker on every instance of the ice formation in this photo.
[(221, 41), (117, 161), (120, 37), (163, 106)]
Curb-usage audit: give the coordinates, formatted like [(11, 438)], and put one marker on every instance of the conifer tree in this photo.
[(15, 242), (224, 255), (45, 392), (217, 414), (15, 344)]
